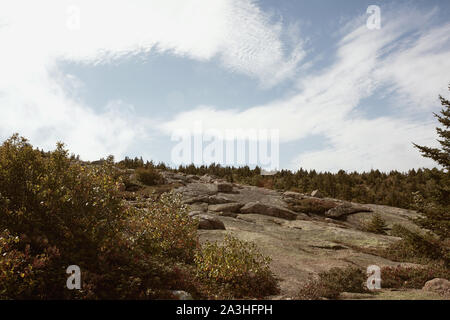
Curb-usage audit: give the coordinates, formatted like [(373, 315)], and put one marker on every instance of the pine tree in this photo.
[(440, 155), (436, 215), (376, 225)]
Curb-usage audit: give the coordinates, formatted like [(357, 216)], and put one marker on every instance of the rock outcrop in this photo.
[(302, 234), (438, 285), (316, 194), (226, 207), (224, 187), (209, 222), (268, 210), (345, 209)]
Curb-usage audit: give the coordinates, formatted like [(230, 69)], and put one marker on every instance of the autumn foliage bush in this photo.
[(235, 269), (48, 201), (330, 284), (413, 277), (165, 229), (56, 212)]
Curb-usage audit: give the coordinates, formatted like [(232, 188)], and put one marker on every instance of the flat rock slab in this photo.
[(301, 249), (214, 199), (225, 207)]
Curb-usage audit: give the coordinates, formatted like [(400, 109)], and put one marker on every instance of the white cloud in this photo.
[(417, 70), (41, 104), (406, 55), (361, 144)]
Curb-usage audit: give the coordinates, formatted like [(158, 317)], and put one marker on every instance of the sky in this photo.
[(130, 78)]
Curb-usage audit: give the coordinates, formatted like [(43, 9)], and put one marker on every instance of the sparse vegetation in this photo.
[(235, 268), (376, 225), (332, 283), (313, 206), (415, 247), (149, 176), (402, 277), (393, 188)]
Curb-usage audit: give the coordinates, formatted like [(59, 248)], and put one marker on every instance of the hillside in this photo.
[(147, 233), (302, 234)]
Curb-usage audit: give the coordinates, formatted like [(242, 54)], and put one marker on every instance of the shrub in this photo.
[(56, 213), (164, 228), (331, 283), (315, 206), (235, 269), (411, 277), (149, 177), (415, 247), (20, 269), (50, 197), (376, 225)]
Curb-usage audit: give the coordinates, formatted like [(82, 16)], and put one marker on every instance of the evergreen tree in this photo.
[(440, 155), (436, 215)]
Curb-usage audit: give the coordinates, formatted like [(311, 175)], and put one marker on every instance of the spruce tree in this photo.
[(436, 215)]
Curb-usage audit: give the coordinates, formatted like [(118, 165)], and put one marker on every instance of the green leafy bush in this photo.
[(51, 197), (331, 283), (56, 212), (235, 269), (149, 176), (164, 228)]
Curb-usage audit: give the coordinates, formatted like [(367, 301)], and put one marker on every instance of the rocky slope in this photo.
[(303, 234)]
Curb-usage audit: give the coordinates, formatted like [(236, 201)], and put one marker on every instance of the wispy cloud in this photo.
[(408, 55), (35, 35)]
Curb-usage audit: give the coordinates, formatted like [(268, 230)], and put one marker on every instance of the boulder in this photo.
[(195, 213), (345, 209), (181, 295), (206, 179), (225, 207), (268, 210), (199, 206), (197, 199), (224, 187), (316, 194), (215, 199), (227, 214), (293, 195), (206, 199), (209, 222), (438, 285)]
